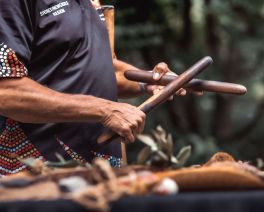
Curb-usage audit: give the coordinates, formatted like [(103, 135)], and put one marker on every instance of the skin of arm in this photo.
[(126, 88), (27, 101), (129, 89)]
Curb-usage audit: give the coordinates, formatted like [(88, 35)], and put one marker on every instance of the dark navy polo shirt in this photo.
[(62, 44)]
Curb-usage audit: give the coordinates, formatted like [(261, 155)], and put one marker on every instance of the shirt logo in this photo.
[(56, 10)]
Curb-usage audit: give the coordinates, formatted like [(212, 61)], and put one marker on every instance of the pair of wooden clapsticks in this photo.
[(172, 85)]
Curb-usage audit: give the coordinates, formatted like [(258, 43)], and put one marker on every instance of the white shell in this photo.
[(167, 187), (73, 184)]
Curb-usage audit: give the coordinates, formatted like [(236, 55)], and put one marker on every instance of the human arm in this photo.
[(128, 89), (26, 101)]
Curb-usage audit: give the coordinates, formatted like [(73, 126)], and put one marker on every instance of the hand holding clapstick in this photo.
[(193, 85), (163, 95)]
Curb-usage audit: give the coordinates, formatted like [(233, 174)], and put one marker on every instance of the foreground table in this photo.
[(244, 201)]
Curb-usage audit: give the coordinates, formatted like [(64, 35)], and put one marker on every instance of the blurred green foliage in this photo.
[(180, 32)]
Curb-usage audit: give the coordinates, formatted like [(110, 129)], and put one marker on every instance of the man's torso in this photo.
[(69, 53)]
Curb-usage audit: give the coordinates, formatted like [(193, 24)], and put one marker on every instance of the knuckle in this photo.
[(130, 138), (140, 121), (131, 125), (134, 124), (143, 116), (125, 130), (162, 66)]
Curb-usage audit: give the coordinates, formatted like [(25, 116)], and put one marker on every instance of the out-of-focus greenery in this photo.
[(180, 32)]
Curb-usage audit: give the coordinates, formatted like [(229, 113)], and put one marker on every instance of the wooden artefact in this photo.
[(221, 172), (109, 13), (194, 85), (163, 95)]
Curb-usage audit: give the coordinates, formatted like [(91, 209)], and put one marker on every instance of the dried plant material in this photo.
[(148, 140), (260, 163), (96, 187), (143, 155), (103, 172), (60, 158), (160, 135), (72, 184), (65, 164), (39, 191), (222, 176), (184, 155), (220, 157), (169, 146), (99, 196), (160, 150), (36, 166), (221, 172)]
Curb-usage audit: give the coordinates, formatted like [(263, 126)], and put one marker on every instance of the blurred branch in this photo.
[(245, 16), (176, 117), (192, 114), (212, 38), (187, 26), (250, 126), (184, 115), (222, 124)]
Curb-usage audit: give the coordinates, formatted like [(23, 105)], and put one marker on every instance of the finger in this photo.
[(172, 73), (156, 91), (141, 124), (198, 93), (156, 76), (124, 140), (160, 70), (135, 128), (127, 134), (181, 92), (130, 137), (150, 88), (135, 133)]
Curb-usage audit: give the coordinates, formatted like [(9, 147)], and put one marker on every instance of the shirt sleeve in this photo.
[(16, 35)]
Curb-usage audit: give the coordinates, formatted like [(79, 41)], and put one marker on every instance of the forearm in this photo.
[(126, 88), (29, 102)]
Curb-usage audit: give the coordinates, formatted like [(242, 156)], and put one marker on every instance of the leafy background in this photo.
[(180, 32)]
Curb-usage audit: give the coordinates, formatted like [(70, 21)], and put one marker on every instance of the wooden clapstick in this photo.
[(109, 13), (194, 85), (164, 95)]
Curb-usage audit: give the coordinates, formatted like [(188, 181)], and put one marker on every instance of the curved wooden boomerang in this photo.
[(163, 95)]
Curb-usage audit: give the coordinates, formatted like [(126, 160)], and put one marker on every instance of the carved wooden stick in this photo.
[(109, 13), (164, 94), (194, 85)]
